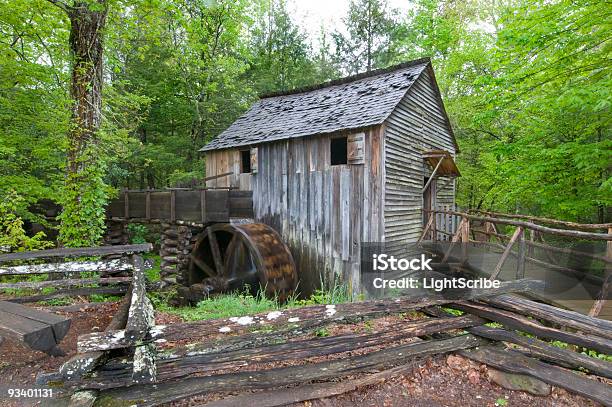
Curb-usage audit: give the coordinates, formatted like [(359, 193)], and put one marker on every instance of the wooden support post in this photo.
[(520, 259), (427, 227), (465, 239), (148, 205), (126, 204), (504, 256), (434, 227), (605, 287), (454, 240), (172, 206), (203, 205)]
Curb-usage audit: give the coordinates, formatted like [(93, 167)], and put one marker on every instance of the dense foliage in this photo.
[(526, 84)]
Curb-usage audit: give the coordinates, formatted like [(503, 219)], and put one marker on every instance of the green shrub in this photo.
[(13, 237)]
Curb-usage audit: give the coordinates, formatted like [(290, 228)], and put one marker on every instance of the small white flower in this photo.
[(274, 315)]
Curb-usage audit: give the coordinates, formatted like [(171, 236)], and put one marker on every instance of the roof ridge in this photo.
[(347, 79)]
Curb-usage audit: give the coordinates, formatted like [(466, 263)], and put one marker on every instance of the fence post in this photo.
[(465, 239), (605, 287), (520, 259)]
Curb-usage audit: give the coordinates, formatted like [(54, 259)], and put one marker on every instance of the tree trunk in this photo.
[(84, 196), (86, 47)]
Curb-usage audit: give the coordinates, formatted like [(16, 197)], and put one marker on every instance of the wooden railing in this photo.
[(527, 235), (181, 205)]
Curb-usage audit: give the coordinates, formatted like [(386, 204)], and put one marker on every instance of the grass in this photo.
[(242, 303), (234, 304)]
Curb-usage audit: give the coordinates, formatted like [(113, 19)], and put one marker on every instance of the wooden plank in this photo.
[(77, 252), (521, 323), (37, 335), (288, 396), (345, 216), (64, 283), (514, 362), (76, 292), (542, 350), (60, 325), (68, 267)]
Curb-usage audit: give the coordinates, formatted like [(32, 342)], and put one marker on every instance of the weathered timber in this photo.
[(83, 398), (141, 316), (558, 316), (70, 293), (68, 267), (517, 233), (528, 225), (521, 323), (253, 348), (556, 222), (312, 317), (155, 394), (59, 325), (290, 395), (542, 350), (84, 363), (514, 362), (35, 334), (64, 283), (77, 252), (144, 367)]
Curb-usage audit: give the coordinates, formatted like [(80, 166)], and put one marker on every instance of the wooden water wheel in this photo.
[(227, 257)]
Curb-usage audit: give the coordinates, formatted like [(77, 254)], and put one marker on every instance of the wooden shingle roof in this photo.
[(349, 103)]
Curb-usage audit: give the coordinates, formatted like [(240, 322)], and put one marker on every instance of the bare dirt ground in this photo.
[(438, 381)]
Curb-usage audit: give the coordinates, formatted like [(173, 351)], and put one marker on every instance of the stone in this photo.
[(513, 381)]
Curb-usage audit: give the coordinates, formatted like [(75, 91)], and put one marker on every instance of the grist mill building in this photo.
[(341, 163)]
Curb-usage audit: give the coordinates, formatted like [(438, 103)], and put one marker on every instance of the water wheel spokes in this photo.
[(229, 257)]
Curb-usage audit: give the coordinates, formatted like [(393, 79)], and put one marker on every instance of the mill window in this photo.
[(338, 150)]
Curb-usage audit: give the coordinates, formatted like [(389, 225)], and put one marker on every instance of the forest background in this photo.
[(526, 84)]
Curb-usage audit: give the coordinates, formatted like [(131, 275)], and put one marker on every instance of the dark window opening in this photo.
[(338, 149), (245, 159)]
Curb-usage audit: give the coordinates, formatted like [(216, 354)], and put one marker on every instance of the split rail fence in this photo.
[(279, 352), (527, 236)]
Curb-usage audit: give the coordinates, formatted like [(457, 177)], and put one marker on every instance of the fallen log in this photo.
[(521, 323), (515, 362), (155, 394)]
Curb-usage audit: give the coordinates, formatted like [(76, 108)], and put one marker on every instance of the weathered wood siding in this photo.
[(323, 212), (224, 161), (417, 124)]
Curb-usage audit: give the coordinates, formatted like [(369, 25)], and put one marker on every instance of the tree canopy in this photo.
[(526, 84)]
